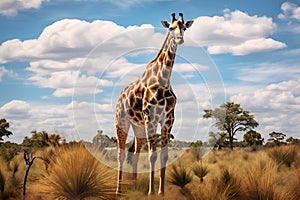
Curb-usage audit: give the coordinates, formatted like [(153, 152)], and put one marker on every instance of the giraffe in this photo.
[(150, 101)]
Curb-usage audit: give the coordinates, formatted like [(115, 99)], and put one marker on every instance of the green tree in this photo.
[(276, 137), (231, 118), (218, 140), (41, 139), (54, 139), (4, 125), (292, 140), (253, 138)]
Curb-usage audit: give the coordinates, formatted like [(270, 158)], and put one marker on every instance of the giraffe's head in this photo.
[(177, 27)]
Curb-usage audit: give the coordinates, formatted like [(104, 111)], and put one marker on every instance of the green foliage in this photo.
[(253, 138), (179, 176), (231, 118), (218, 140), (4, 125), (40, 140), (9, 150), (276, 137), (294, 141)]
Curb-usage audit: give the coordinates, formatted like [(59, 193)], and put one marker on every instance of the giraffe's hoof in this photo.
[(118, 192), (151, 193), (161, 193)]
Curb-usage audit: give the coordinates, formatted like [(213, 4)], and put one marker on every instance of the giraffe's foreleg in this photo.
[(121, 136), (165, 134), (151, 139)]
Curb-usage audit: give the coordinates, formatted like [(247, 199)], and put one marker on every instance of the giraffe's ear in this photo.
[(188, 24), (165, 23)]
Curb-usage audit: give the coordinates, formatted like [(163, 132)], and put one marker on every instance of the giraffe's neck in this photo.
[(160, 68)]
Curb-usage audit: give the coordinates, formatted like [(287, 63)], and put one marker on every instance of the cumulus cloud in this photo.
[(71, 38), (25, 117), (236, 33), (72, 50), (11, 7), (289, 11), (276, 106)]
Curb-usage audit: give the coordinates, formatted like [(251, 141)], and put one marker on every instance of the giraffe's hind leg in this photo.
[(140, 136)]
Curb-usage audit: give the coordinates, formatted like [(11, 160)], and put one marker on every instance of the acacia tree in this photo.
[(4, 125), (231, 118), (253, 138), (276, 137)]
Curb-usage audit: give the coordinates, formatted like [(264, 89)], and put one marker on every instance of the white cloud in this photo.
[(71, 38), (276, 106), (289, 11), (16, 108), (11, 7), (69, 83), (58, 58), (25, 117), (268, 72), (5, 72), (236, 33)]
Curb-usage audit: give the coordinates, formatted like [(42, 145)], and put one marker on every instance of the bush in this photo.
[(75, 174)]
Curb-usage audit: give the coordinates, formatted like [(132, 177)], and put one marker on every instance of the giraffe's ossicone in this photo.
[(150, 101)]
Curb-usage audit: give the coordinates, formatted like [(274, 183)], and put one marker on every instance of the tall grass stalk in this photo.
[(75, 174), (228, 185), (259, 182), (284, 155)]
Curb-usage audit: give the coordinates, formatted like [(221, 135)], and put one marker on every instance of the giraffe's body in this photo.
[(150, 101)]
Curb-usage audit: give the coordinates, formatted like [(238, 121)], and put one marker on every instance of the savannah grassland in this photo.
[(71, 172)]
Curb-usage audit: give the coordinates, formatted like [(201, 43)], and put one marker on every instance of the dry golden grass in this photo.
[(238, 174), (75, 174)]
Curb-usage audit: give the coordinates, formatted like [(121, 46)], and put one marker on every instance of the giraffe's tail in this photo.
[(130, 152)]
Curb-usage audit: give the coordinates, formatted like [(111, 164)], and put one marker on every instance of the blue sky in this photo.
[(64, 63)]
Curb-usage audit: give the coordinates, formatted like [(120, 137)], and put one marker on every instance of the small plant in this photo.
[(200, 171), (179, 176), (284, 155)]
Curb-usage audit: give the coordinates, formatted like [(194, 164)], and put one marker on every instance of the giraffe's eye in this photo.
[(171, 28)]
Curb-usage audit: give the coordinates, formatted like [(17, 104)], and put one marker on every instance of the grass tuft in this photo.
[(179, 176), (200, 170), (285, 155), (75, 174), (259, 183)]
